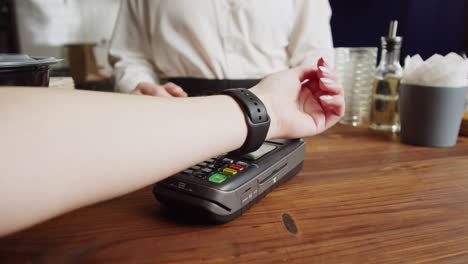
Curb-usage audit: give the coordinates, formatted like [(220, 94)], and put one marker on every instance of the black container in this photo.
[(24, 70)]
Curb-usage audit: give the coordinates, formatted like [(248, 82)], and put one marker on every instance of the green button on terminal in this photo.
[(218, 177)]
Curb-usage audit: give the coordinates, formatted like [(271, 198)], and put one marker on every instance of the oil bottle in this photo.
[(385, 113)]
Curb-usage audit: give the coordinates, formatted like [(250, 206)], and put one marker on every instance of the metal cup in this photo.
[(431, 116)]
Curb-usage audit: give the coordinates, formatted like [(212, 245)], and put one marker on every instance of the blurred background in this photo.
[(427, 26), (79, 30)]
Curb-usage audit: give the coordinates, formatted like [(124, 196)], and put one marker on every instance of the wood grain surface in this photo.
[(362, 197)]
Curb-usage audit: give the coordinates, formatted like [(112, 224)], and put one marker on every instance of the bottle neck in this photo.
[(390, 58)]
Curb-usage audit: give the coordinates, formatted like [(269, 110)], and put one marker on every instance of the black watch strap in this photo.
[(256, 117)]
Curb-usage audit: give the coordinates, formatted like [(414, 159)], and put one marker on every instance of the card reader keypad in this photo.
[(220, 169), (216, 170)]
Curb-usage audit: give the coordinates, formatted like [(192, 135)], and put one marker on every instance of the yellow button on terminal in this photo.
[(230, 171)]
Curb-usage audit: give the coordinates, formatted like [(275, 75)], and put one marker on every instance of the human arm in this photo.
[(62, 150), (131, 56), (310, 37), (130, 48)]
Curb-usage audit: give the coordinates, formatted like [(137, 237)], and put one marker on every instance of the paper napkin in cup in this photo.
[(440, 71)]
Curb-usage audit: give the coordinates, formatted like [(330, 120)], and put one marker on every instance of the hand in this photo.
[(165, 90), (297, 108)]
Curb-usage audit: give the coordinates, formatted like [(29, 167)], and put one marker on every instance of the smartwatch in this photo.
[(256, 118)]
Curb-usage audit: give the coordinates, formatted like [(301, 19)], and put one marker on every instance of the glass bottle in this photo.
[(385, 113)]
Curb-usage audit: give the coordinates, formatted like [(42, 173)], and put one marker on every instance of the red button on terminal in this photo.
[(236, 167)]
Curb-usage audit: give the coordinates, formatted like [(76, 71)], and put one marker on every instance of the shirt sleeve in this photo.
[(311, 36), (130, 48)]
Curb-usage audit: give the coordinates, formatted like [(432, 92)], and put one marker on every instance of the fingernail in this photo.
[(326, 97), (325, 62), (324, 69), (327, 81)]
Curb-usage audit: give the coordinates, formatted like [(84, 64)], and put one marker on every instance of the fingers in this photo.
[(327, 78), (333, 103), (330, 86), (325, 69), (166, 90), (144, 88), (306, 73), (155, 90), (174, 90), (331, 97), (136, 91)]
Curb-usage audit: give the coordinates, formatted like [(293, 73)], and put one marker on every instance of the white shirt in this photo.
[(216, 39)]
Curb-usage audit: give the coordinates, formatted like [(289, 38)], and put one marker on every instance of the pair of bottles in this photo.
[(384, 110)]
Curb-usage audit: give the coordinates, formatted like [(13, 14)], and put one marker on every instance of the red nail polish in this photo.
[(325, 63)]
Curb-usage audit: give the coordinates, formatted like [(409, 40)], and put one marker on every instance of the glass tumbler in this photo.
[(355, 69)]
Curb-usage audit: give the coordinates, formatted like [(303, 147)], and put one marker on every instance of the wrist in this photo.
[(256, 117), (274, 130)]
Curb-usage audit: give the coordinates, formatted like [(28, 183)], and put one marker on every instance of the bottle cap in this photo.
[(392, 41)]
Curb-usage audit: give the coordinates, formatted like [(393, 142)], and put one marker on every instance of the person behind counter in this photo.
[(203, 47), (62, 150)]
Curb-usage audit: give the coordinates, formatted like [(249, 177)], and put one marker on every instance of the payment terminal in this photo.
[(222, 188)]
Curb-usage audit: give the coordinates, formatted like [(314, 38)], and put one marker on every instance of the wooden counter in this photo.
[(361, 198)]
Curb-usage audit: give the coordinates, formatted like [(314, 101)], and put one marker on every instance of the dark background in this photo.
[(427, 26), (8, 37)]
